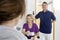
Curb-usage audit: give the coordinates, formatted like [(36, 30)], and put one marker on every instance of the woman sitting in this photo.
[(30, 29)]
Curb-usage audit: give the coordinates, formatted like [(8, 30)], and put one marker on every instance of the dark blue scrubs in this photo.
[(45, 21)]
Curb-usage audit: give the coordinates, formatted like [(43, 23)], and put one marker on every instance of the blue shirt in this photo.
[(45, 21)]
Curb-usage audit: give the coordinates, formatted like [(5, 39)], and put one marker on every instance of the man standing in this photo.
[(46, 19)]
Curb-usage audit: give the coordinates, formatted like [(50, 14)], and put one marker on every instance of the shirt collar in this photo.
[(45, 12)]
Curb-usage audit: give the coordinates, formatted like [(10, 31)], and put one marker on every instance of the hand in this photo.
[(28, 32)]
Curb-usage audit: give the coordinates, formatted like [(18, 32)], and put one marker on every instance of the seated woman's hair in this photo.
[(30, 16), (10, 9)]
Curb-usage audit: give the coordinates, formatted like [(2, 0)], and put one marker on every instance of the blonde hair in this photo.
[(30, 16)]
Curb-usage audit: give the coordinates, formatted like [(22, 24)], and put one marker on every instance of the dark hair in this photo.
[(44, 3), (10, 9)]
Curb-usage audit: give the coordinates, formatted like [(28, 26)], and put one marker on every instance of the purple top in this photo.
[(33, 29)]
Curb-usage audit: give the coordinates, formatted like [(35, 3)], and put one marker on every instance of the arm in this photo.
[(53, 19), (53, 22), (37, 19), (37, 16), (36, 31), (23, 31)]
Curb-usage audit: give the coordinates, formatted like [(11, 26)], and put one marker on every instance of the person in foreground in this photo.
[(30, 29), (10, 10), (46, 19)]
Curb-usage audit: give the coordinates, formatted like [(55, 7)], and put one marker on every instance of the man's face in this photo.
[(44, 6)]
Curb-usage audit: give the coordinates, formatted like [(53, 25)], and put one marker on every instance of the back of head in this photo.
[(10, 9), (44, 3)]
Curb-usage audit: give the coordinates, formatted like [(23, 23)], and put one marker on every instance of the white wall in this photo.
[(57, 27), (57, 13), (30, 4)]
